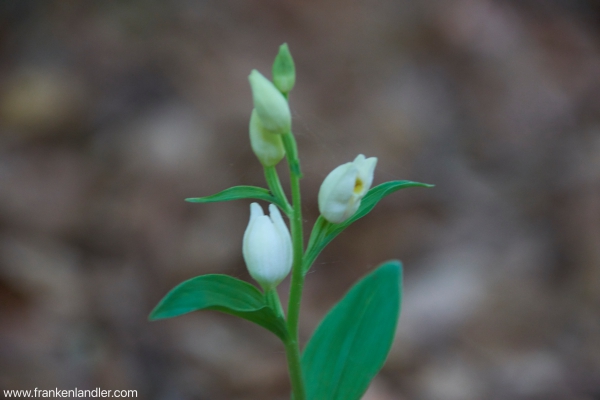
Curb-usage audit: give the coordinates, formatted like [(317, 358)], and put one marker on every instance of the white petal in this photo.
[(285, 236), (366, 170), (261, 255), (255, 210), (359, 159)]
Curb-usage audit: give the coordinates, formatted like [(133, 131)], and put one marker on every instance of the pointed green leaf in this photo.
[(351, 344), (221, 293), (324, 232), (239, 192)]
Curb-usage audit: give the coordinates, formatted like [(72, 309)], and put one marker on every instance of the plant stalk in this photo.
[(276, 189), (273, 301), (292, 346)]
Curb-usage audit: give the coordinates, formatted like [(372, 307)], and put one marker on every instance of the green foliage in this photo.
[(240, 192), (351, 344), (221, 293), (324, 231)]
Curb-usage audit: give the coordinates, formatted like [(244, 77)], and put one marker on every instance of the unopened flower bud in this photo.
[(269, 103), (284, 71), (344, 187), (267, 247), (267, 145)]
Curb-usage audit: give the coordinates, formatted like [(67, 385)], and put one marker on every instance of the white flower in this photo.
[(269, 103), (267, 146), (344, 188), (267, 247)]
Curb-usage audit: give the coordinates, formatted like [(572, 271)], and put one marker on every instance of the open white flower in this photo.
[(344, 187), (267, 247)]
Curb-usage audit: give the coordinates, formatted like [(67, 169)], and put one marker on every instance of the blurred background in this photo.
[(111, 113)]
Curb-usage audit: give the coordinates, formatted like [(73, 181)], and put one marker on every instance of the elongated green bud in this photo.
[(267, 146), (272, 108), (284, 71)]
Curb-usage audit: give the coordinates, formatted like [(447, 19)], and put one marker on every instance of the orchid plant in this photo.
[(350, 345)]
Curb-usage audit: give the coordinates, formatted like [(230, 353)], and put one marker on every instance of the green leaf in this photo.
[(239, 192), (221, 293), (351, 344), (324, 231)]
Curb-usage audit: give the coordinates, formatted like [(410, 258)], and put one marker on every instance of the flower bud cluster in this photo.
[(267, 244), (270, 119)]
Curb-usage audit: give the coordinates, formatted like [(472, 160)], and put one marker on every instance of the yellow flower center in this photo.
[(358, 186)]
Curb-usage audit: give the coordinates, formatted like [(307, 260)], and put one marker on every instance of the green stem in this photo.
[(274, 302), (292, 352), (292, 344), (275, 186)]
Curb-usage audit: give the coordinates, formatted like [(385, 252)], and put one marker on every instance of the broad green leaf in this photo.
[(324, 232), (239, 192), (351, 344), (221, 293)]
